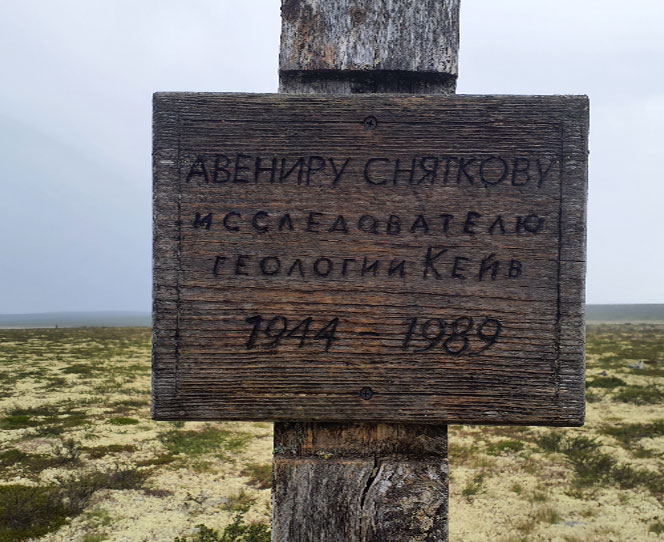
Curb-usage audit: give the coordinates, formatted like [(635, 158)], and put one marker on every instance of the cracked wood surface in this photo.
[(362, 482), (350, 46)]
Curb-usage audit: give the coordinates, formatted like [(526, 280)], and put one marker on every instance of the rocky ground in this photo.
[(81, 460)]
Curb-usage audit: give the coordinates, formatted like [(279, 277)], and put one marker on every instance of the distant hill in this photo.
[(646, 313), (77, 319)]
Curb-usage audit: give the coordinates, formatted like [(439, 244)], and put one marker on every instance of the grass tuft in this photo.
[(260, 475), (474, 486), (207, 440), (628, 434), (124, 421), (640, 395), (606, 382), (505, 447), (237, 531)]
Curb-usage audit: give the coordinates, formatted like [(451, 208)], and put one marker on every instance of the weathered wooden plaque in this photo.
[(373, 258)]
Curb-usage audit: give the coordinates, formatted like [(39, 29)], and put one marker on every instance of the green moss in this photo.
[(640, 395), (17, 421), (10, 457), (628, 434), (123, 421), (505, 447), (260, 475), (95, 452), (82, 369), (32, 464), (163, 459), (551, 441), (30, 511), (54, 383), (473, 486), (538, 497), (547, 515), (239, 502), (606, 382), (208, 440), (56, 425), (237, 531), (657, 527), (461, 454), (516, 488)]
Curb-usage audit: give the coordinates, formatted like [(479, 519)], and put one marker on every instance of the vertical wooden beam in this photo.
[(337, 482)]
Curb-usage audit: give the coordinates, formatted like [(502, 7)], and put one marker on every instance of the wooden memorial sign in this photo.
[(369, 258)]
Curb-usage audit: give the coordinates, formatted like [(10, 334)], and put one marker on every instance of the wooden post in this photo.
[(336, 482)]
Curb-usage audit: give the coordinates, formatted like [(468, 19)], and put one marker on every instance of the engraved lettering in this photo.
[(286, 222), (368, 224), (284, 174), (463, 170), (532, 223), (240, 264), (398, 170), (312, 222), (255, 222), (515, 270), (470, 223), (296, 264), (393, 225), (397, 266), (446, 222), (430, 260), (204, 221), (327, 267), (221, 168), (338, 172), (544, 173), (521, 172), (271, 265), (367, 173), (373, 268), (458, 269), (489, 264), (311, 168), (420, 224), (339, 225), (456, 338), (218, 263), (493, 170), (448, 161), (240, 168), (227, 221), (344, 268), (198, 169), (498, 223), (429, 164), (260, 169)]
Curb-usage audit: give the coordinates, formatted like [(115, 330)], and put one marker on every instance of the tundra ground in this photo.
[(81, 460)]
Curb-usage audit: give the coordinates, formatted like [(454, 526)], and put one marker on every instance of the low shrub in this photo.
[(237, 531)]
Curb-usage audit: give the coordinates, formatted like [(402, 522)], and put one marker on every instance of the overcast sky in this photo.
[(77, 76)]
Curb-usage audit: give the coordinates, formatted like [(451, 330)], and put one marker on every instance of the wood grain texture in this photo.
[(388, 493), (350, 46), (360, 482), (396, 500), (509, 172), (360, 439)]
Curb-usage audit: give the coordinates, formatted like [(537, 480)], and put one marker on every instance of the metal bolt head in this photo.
[(366, 393), (370, 123)]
